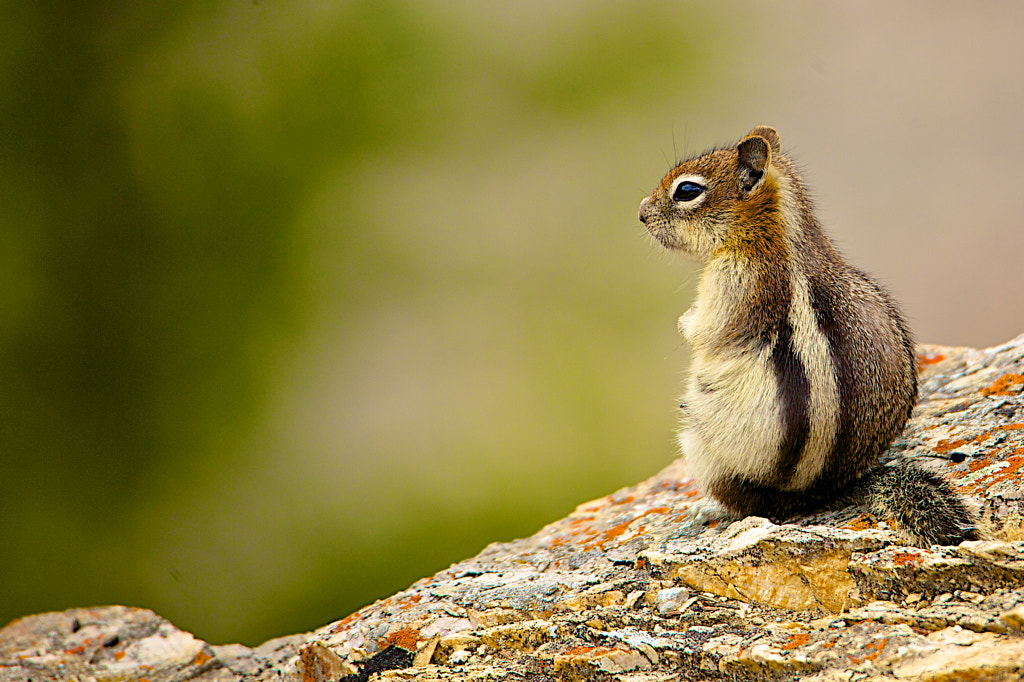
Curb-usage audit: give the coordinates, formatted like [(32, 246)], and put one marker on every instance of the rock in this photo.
[(118, 641), (672, 601), (629, 587)]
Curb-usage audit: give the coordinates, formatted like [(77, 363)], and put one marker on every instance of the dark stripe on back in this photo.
[(794, 392), (848, 457)]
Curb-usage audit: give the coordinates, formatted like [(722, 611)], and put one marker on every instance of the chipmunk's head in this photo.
[(723, 199)]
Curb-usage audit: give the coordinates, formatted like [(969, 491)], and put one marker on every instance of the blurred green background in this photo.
[(302, 301)]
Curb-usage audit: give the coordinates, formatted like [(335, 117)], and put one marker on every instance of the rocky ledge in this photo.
[(628, 588)]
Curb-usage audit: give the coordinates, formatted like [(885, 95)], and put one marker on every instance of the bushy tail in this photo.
[(918, 504)]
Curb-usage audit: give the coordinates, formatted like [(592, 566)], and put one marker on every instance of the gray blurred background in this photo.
[(302, 301)]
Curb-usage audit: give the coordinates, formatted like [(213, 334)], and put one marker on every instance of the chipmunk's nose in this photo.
[(645, 210)]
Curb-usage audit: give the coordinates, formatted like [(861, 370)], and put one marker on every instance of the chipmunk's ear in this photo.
[(755, 153), (769, 134)]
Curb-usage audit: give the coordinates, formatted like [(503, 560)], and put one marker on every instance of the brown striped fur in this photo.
[(803, 367)]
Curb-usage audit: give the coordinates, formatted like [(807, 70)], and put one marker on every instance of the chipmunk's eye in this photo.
[(687, 191)]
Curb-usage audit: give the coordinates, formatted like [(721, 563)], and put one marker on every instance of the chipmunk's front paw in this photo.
[(685, 322), (707, 512)]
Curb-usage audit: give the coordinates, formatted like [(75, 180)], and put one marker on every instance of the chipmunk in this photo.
[(803, 368)]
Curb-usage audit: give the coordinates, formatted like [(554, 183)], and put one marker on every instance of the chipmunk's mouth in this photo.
[(663, 238), (663, 234), (656, 224)]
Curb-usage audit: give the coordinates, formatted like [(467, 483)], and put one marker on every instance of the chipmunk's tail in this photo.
[(919, 505)]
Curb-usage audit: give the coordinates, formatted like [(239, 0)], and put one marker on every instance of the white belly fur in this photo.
[(736, 426)]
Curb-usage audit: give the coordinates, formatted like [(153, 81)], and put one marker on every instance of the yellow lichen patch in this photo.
[(1004, 385), (986, 657), (831, 585), (579, 662), (1012, 528), (807, 583), (487, 618), (318, 663), (449, 644), (526, 635), (586, 600)]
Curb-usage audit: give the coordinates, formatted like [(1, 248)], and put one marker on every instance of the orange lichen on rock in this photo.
[(406, 602), (1004, 385), (906, 558), (875, 648), (796, 640), (924, 360), (597, 539), (944, 446), (656, 510), (559, 541), (979, 464), (862, 522), (405, 638), (349, 619), (1014, 463), (591, 650), (610, 534)]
